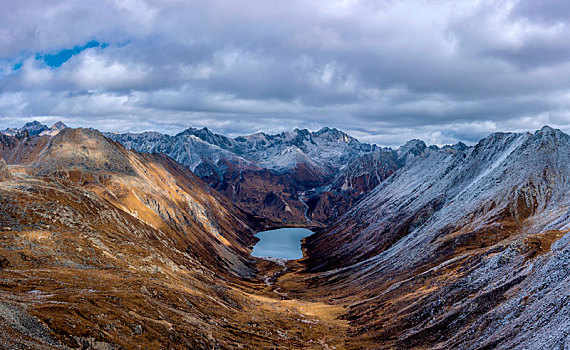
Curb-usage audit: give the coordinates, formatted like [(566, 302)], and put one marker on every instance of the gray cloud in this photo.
[(386, 71)]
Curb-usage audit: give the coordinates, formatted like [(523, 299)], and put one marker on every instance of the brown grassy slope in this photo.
[(104, 247)]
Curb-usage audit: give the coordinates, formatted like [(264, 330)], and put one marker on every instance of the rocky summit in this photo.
[(422, 247)]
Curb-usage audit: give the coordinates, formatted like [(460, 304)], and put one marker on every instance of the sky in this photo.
[(383, 71)]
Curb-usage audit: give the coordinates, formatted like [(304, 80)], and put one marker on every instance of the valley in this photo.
[(457, 246)]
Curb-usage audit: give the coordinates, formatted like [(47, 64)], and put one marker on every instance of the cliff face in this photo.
[(458, 250)]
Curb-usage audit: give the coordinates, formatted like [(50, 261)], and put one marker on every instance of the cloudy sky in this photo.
[(385, 71)]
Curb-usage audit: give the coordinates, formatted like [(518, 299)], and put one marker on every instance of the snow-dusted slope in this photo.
[(186, 148), (327, 150), (461, 249)]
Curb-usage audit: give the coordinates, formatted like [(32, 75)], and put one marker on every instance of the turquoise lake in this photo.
[(284, 243)]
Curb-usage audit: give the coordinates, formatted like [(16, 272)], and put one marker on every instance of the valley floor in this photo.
[(110, 308)]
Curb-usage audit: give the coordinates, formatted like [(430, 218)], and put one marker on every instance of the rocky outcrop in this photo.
[(22, 148), (4, 172)]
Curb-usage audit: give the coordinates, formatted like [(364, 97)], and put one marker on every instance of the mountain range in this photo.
[(298, 177), (112, 241), (35, 128)]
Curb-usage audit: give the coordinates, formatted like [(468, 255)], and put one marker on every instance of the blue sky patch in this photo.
[(55, 60)]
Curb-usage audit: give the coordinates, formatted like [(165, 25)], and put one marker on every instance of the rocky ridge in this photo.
[(4, 172), (458, 250)]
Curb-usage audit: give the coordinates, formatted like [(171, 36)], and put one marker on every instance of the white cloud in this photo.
[(94, 70), (384, 70)]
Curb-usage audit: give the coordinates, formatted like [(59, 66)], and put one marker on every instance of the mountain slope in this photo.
[(153, 187), (22, 148), (103, 247), (458, 249)]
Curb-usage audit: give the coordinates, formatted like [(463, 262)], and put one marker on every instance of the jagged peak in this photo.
[(334, 132), (304, 132), (551, 135), (34, 123), (189, 130), (201, 132), (495, 137), (411, 149), (460, 146), (547, 130), (413, 143), (327, 129), (58, 126)]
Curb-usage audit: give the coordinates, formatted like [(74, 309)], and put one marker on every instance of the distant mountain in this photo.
[(54, 129), (463, 247), (35, 128), (298, 177), (295, 177)]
